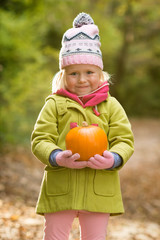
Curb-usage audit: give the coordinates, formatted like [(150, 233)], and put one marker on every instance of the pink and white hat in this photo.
[(81, 44)]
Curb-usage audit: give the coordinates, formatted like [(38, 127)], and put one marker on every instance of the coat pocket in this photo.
[(57, 181), (104, 183)]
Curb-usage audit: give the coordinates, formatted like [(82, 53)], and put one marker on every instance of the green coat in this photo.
[(81, 189)]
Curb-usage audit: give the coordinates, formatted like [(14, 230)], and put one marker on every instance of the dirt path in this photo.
[(20, 177)]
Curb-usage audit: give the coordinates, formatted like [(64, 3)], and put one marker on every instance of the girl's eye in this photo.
[(73, 74), (89, 72)]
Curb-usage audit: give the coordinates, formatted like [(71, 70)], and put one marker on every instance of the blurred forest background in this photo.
[(30, 40)]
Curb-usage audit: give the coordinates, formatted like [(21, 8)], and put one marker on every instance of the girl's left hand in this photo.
[(101, 162)]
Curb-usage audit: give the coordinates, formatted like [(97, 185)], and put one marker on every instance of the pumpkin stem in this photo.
[(84, 124)]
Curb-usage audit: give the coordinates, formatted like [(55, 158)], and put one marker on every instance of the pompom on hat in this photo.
[(81, 44)]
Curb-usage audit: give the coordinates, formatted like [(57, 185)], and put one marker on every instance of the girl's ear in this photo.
[(63, 79), (101, 77)]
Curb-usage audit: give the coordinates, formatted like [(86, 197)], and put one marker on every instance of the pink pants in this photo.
[(58, 225)]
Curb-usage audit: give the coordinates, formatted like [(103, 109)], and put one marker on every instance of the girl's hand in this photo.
[(101, 162), (66, 159)]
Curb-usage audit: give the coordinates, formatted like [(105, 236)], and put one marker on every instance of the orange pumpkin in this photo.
[(87, 140)]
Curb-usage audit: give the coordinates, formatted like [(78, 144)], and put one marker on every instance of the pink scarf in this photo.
[(91, 99)]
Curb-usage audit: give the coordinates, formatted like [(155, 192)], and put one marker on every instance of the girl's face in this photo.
[(82, 79)]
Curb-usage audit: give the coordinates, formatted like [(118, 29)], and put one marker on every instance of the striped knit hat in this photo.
[(81, 44)]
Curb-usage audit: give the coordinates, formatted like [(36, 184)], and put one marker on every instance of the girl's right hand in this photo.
[(66, 159)]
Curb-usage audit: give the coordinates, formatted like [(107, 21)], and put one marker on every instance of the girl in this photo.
[(89, 190)]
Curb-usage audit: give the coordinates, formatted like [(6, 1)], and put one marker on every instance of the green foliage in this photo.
[(31, 33)]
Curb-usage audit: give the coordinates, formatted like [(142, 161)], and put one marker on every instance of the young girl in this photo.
[(89, 190)]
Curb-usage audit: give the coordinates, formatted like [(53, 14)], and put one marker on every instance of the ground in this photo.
[(20, 178)]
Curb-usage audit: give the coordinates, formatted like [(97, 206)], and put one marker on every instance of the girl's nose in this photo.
[(82, 78)]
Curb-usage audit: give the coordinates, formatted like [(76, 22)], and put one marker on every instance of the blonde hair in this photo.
[(58, 81)]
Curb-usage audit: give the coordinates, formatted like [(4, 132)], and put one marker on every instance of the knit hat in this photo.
[(81, 44)]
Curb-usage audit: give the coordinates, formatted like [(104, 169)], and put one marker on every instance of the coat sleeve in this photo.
[(120, 136), (45, 134)]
